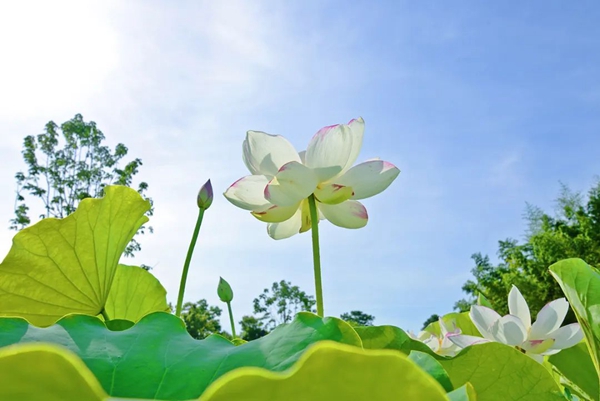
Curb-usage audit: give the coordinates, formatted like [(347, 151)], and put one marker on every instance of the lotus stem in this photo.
[(188, 259), (314, 221), (231, 319)]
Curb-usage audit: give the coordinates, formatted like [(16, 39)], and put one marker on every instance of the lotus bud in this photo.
[(205, 196), (224, 290)]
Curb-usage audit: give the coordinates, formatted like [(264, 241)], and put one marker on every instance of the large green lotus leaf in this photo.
[(157, 358), (135, 293), (576, 365), (331, 371), (430, 365), (501, 373), (34, 372), (326, 371), (581, 284), (464, 393), (389, 337), (62, 266), (460, 320)]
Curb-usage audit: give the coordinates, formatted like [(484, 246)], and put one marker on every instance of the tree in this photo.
[(281, 303), (358, 318), (252, 328), (431, 319), (201, 319), (573, 231), (67, 164)]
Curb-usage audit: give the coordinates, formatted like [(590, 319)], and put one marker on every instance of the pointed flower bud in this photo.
[(205, 196), (224, 290)]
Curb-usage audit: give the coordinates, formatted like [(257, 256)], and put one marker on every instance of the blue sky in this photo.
[(482, 105)]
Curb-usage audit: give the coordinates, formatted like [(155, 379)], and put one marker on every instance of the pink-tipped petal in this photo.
[(329, 151), (549, 319), (276, 214), (348, 214), (286, 228), (265, 154), (293, 182), (517, 306), (248, 193), (483, 318), (509, 330), (369, 178)]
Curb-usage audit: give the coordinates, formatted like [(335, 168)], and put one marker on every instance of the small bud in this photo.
[(224, 290), (205, 196)]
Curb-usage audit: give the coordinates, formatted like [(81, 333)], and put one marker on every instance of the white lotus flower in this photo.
[(282, 179), (544, 337), (441, 345)]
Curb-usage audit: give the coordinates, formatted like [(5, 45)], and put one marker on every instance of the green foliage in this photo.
[(581, 284), (327, 371), (281, 303), (435, 369), (464, 393), (62, 266), (66, 271), (352, 374), (58, 375), (201, 319), (389, 337), (132, 302), (461, 321), (431, 319), (496, 371), (574, 231), (358, 318), (252, 328), (156, 358), (501, 373), (576, 366), (61, 177)]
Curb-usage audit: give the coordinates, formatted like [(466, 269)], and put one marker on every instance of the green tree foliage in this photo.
[(431, 319), (201, 319), (67, 164), (281, 303), (252, 328), (358, 318), (572, 231)]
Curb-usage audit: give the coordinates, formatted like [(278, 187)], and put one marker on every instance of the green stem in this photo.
[(314, 221), (186, 265), (231, 320), (104, 315)]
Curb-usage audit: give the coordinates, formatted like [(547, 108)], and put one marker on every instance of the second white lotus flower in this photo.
[(543, 337), (440, 344), (282, 179)]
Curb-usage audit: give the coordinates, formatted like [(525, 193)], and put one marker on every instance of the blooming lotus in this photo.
[(544, 337), (282, 180), (441, 344)]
